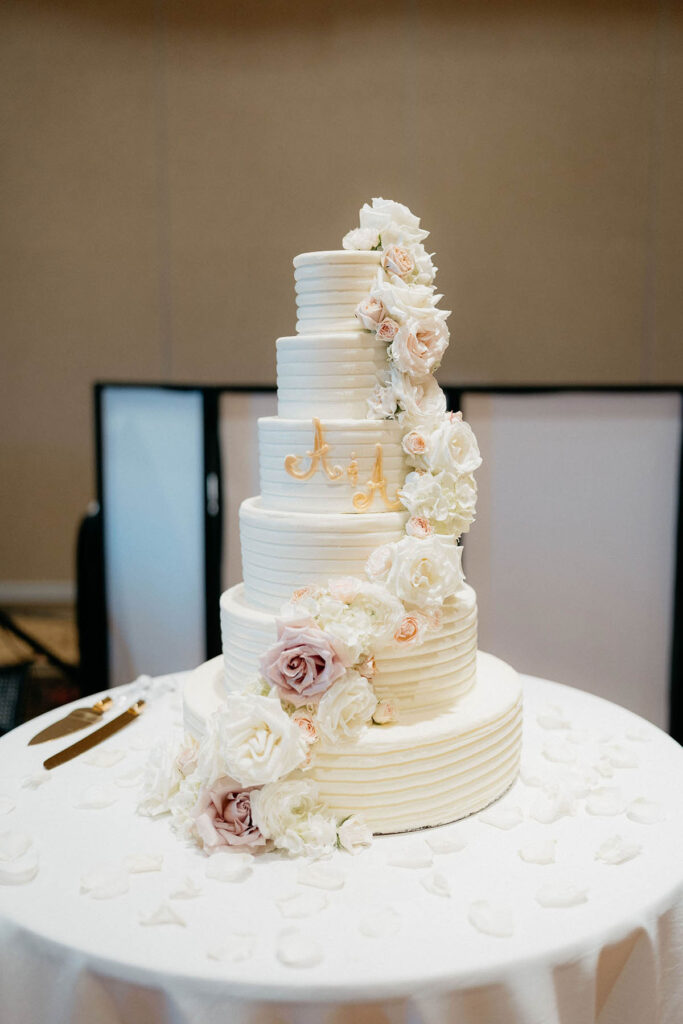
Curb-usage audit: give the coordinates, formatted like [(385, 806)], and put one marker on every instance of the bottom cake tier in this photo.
[(399, 778)]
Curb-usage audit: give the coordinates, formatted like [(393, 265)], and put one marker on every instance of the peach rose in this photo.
[(307, 726), (414, 443), (398, 260), (418, 526), (407, 630), (368, 668), (385, 712), (370, 312), (387, 329)]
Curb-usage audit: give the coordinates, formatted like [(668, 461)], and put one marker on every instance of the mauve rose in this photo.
[(370, 312), (223, 816), (386, 330), (397, 260), (303, 664)]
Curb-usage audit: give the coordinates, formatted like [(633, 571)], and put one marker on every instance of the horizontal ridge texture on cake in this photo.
[(348, 441), (329, 286), (402, 777), (282, 551), (328, 375), (422, 680)]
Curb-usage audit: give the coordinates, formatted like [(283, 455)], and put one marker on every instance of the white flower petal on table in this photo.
[(162, 915), (187, 889), (104, 883), (380, 922), (446, 844), (539, 851), (21, 870), (551, 804), (558, 751), (638, 735), (235, 947), (504, 817), (95, 798), (106, 758), (605, 801), (561, 894), (295, 948), (138, 863), (605, 768), (417, 855), (302, 904), (645, 812), (14, 845), (228, 866), (553, 717), (620, 756), (616, 850), (437, 884), (7, 805), (36, 780), (532, 775), (491, 919), (321, 876)]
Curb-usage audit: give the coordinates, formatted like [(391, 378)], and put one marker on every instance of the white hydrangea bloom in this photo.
[(290, 813)]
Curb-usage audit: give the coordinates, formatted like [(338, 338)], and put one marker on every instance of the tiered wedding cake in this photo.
[(350, 697)]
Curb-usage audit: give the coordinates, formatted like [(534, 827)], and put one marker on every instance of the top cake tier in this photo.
[(329, 286)]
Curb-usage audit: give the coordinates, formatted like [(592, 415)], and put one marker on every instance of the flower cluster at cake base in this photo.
[(402, 310)]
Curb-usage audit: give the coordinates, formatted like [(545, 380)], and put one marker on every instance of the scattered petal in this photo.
[(531, 776), (14, 845), (437, 884), (418, 855), (302, 904), (561, 894), (36, 780), (617, 851), (21, 870), (95, 798), (229, 866), (296, 949), (104, 758), (6, 805), (540, 851), (559, 752), (638, 735), (491, 919), (321, 876), (645, 812), (551, 804), (620, 756), (605, 768), (606, 801), (503, 817), (105, 883), (188, 889), (236, 947), (162, 915), (138, 863), (553, 718), (446, 844), (380, 922)]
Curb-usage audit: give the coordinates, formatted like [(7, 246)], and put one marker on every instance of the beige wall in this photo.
[(163, 162)]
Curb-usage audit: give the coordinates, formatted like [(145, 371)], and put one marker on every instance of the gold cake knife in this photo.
[(90, 741), (77, 719)]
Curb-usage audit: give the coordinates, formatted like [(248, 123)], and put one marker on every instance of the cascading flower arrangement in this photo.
[(244, 785)]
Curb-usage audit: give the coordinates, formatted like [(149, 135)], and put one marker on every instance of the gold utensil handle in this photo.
[(102, 705)]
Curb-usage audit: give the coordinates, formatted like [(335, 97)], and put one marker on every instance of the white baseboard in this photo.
[(37, 591)]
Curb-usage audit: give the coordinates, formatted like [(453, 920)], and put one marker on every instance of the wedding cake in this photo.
[(350, 698)]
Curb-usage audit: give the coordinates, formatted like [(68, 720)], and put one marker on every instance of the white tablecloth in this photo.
[(458, 924)]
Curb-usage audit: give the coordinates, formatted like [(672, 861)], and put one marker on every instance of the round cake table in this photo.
[(560, 904)]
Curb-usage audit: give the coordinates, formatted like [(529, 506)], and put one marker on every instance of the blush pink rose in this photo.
[(303, 663), (344, 588), (370, 312), (387, 329), (222, 816), (397, 260)]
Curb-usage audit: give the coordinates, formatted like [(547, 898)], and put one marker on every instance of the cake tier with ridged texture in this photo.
[(422, 679), (329, 286), (282, 551), (400, 777), (328, 375), (287, 451)]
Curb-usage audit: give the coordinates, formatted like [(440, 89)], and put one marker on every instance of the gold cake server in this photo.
[(90, 741), (77, 719)]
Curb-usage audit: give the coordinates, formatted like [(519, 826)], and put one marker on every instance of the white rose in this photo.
[(290, 813), (385, 712), (161, 779), (344, 588), (382, 402), (424, 270), (420, 400), (426, 496), (345, 708), (454, 447), (251, 739), (379, 563), (370, 312), (394, 222), (353, 834), (363, 239), (425, 572), (382, 611), (405, 302), (464, 503)]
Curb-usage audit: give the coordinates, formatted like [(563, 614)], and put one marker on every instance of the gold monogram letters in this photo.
[(362, 499)]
